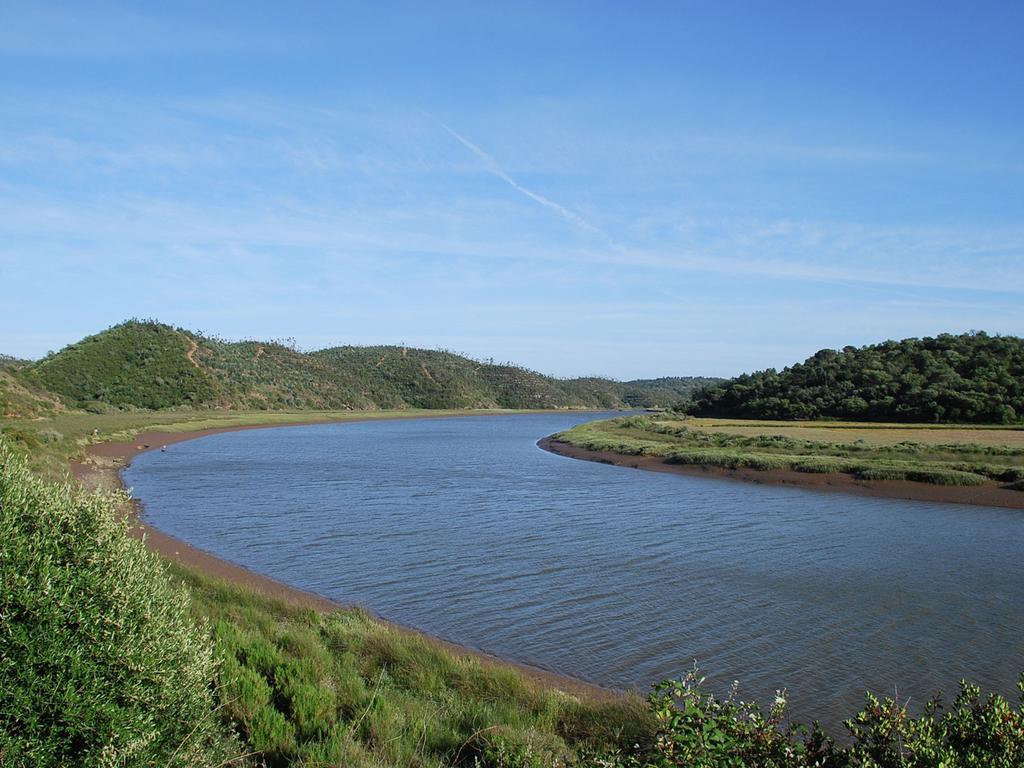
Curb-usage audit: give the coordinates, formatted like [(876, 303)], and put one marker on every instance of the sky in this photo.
[(624, 189)]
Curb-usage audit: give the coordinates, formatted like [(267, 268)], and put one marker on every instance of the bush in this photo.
[(945, 477), (100, 660), (698, 730), (975, 731)]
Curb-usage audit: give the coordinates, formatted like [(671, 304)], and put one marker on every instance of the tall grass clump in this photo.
[(101, 663), (945, 477), (307, 688)]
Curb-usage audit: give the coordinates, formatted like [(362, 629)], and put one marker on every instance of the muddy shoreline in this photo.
[(983, 495), (101, 468)]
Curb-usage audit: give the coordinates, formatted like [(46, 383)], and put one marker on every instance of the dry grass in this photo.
[(871, 433)]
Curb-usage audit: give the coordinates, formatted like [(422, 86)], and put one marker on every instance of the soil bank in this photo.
[(102, 467), (989, 495)]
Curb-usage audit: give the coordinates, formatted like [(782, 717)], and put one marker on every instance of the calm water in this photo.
[(465, 529)]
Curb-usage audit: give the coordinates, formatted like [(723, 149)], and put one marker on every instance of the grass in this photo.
[(872, 433), (963, 457), (294, 686), (303, 687)]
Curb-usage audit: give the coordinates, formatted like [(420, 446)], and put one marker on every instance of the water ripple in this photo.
[(463, 528)]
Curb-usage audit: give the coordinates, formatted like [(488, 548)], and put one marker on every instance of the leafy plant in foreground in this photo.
[(698, 730), (101, 663)]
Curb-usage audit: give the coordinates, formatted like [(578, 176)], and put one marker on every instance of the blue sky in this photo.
[(627, 189)]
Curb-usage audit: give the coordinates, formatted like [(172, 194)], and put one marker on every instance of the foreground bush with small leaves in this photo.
[(698, 730), (101, 663)]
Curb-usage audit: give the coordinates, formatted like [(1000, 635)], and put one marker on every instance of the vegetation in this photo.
[(688, 441), (697, 730), (21, 398), (111, 657), (108, 659), (970, 378), (656, 393), (307, 688), (100, 660), (6, 361), (146, 364)]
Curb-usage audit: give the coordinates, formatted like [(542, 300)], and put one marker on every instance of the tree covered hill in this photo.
[(146, 364), (967, 378)]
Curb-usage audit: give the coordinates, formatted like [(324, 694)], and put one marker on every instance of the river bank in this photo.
[(990, 495), (101, 468)]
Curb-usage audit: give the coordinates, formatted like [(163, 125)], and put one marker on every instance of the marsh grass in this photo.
[(303, 687), (959, 463)]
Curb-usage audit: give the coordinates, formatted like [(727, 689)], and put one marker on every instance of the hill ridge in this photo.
[(153, 365)]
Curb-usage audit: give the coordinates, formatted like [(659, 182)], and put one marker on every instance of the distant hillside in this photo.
[(22, 399), (145, 364), (970, 378), (654, 393)]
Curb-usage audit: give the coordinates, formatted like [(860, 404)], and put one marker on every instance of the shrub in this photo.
[(945, 477), (698, 730), (100, 660), (975, 731), (881, 473), (503, 747)]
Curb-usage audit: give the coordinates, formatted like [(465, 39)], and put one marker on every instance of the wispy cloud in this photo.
[(220, 207), (492, 165)]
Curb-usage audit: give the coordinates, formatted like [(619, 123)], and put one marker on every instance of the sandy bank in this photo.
[(101, 468), (989, 495)]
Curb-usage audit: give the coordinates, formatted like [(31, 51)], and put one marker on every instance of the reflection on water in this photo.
[(464, 528)]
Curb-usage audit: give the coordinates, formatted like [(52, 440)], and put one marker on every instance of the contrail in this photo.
[(497, 170)]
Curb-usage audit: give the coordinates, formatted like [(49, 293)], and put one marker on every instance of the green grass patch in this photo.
[(881, 473), (951, 464), (310, 688), (945, 477)]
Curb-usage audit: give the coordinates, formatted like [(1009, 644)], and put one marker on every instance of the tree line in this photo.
[(968, 378)]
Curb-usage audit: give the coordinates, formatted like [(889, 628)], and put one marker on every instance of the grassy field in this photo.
[(52, 441), (942, 455), (869, 432)]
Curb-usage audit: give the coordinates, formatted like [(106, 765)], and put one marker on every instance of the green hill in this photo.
[(146, 364), (966, 378), (22, 399), (654, 393), (6, 361), (141, 364)]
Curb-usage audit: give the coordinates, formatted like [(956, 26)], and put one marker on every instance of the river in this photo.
[(463, 528)]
